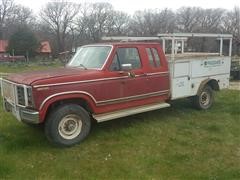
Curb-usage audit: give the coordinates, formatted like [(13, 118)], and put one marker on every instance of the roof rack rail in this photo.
[(174, 38), (176, 35), (128, 38)]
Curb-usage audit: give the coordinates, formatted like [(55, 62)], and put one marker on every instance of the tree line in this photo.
[(67, 25)]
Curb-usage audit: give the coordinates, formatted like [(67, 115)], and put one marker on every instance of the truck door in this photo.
[(158, 75), (131, 85)]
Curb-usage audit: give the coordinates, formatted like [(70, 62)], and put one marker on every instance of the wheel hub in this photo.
[(205, 98), (70, 126)]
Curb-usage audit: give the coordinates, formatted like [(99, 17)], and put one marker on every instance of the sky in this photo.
[(130, 6)]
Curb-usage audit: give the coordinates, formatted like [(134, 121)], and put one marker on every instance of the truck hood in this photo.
[(28, 78)]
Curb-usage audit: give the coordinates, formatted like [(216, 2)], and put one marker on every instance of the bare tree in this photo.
[(59, 16), (188, 18), (21, 15), (67, 24), (5, 10), (118, 23), (142, 23), (150, 22), (94, 20), (210, 20), (231, 24), (81, 23)]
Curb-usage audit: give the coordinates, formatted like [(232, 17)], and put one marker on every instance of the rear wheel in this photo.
[(68, 125), (205, 98)]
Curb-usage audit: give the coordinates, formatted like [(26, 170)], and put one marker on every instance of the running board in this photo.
[(128, 112)]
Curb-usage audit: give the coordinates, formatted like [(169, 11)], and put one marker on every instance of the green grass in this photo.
[(30, 66), (174, 143)]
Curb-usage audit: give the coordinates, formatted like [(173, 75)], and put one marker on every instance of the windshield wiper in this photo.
[(84, 67)]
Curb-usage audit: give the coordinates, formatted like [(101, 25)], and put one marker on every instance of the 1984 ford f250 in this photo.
[(112, 80)]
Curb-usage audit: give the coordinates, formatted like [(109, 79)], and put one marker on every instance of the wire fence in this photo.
[(1, 76)]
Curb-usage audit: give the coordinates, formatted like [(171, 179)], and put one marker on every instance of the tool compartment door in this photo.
[(180, 79)]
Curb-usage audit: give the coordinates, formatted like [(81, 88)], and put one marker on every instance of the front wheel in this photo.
[(205, 98), (68, 125)]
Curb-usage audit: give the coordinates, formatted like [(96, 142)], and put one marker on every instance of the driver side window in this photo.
[(126, 56), (115, 66)]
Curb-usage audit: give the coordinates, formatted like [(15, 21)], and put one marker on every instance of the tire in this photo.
[(67, 125), (205, 98)]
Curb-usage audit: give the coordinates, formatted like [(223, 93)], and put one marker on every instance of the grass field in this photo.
[(174, 143), (30, 66)]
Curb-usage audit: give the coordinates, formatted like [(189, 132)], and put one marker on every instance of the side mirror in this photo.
[(126, 67)]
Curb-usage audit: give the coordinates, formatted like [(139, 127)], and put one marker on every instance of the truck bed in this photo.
[(187, 71)]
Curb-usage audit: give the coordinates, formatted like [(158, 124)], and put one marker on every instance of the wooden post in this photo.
[(27, 56)]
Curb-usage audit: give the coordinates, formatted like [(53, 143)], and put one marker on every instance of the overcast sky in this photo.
[(130, 6)]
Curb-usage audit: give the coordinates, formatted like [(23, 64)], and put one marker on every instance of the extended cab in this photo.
[(112, 80)]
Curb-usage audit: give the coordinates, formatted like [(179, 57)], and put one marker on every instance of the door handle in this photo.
[(131, 74)]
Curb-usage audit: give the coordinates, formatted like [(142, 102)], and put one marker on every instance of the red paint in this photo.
[(96, 85)]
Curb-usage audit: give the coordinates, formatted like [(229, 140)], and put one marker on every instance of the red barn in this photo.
[(44, 48), (3, 46)]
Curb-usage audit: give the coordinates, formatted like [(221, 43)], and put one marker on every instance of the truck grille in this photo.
[(8, 91), (13, 93)]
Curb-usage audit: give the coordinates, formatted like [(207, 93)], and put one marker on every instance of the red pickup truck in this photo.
[(101, 82)]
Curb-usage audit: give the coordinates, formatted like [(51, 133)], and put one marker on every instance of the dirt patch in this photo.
[(235, 85)]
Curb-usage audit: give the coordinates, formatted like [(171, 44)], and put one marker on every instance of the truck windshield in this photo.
[(90, 57)]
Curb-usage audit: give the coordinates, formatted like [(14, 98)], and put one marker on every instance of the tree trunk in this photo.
[(1, 32)]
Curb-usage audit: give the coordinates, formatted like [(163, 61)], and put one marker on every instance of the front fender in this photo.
[(48, 101)]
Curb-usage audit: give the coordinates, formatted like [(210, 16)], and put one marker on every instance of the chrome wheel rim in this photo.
[(205, 98), (70, 126)]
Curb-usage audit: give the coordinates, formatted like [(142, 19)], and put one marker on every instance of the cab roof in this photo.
[(125, 43)]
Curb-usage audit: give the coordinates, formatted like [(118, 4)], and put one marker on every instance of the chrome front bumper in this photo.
[(22, 114)]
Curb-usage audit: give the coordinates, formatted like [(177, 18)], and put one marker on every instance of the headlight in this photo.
[(30, 97), (20, 95), (24, 96)]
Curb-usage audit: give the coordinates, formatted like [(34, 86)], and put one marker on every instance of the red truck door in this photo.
[(128, 86), (157, 70), (141, 85)]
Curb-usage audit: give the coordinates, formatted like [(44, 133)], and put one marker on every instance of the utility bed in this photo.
[(188, 72), (189, 69)]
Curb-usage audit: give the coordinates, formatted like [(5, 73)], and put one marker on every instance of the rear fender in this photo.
[(213, 83)]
